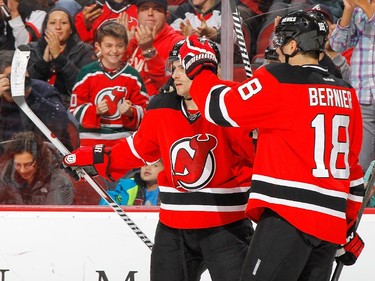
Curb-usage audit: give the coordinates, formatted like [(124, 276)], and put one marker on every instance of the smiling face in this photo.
[(112, 50), (58, 23), (25, 166), (181, 81)]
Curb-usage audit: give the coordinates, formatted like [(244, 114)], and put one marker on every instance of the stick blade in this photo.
[(19, 67)]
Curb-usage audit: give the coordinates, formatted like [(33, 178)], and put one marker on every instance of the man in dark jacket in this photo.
[(42, 98)]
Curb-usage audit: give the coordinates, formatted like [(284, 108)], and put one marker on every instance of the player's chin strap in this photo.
[(296, 51)]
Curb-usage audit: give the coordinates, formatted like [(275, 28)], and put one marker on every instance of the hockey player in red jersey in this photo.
[(307, 185), (203, 189)]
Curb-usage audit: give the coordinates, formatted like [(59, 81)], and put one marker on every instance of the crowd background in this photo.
[(62, 38)]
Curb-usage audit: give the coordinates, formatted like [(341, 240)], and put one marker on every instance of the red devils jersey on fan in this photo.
[(108, 13), (207, 168), (94, 85), (152, 70), (310, 134)]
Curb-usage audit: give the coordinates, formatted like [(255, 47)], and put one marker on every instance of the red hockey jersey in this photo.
[(94, 84), (207, 168), (108, 13), (310, 133)]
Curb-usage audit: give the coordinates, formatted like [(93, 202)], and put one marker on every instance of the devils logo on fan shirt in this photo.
[(193, 161), (114, 97)]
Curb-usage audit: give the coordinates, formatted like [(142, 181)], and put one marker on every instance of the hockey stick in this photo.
[(19, 64), (240, 38), (366, 198)]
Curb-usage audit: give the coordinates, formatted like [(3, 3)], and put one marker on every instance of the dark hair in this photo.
[(32, 143), (71, 20), (6, 58), (113, 29)]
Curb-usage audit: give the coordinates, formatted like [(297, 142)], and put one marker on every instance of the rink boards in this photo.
[(95, 244)]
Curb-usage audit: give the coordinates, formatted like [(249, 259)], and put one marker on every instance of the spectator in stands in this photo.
[(42, 98), (92, 16), (6, 35), (31, 174), (152, 41), (142, 189), (59, 55), (109, 97), (26, 19), (203, 17), (356, 29)]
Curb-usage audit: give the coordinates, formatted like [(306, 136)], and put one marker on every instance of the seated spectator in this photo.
[(153, 40), (26, 19), (142, 189), (109, 98), (59, 55), (92, 16), (31, 174), (42, 98)]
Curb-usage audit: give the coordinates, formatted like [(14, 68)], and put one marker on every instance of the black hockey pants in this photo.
[(183, 255), (280, 252)]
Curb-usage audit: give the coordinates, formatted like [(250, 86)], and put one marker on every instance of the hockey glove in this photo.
[(95, 160), (196, 55), (349, 252)]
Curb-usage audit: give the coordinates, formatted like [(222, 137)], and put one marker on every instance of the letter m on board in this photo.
[(103, 276)]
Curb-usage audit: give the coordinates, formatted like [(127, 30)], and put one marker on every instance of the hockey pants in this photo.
[(183, 255), (280, 252)]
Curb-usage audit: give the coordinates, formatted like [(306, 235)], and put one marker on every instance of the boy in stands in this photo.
[(109, 98)]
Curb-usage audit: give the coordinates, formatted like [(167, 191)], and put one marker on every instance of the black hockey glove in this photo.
[(196, 55), (95, 160), (349, 252)]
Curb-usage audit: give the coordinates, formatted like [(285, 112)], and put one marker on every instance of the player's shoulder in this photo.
[(165, 100), (306, 74)]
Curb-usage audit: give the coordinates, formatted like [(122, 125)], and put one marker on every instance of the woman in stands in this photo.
[(58, 56), (30, 173)]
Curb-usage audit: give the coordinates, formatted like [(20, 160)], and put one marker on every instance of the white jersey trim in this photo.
[(210, 190), (300, 205), (98, 136), (301, 185), (202, 208), (222, 106)]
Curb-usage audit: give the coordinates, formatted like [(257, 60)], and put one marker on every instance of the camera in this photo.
[(98, 5), (5, 10)]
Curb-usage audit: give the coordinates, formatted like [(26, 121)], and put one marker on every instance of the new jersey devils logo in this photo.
[(114, 97), (193, 161)]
